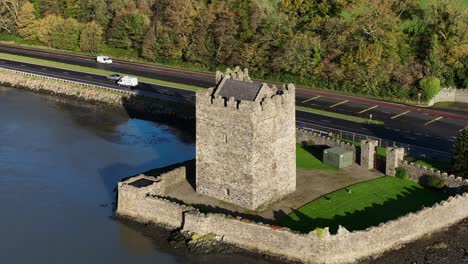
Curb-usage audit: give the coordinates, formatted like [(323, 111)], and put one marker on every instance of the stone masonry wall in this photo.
[(416, 172), (368, 149), (394, 158), (344, 247), (303, 135), (141, 205), (450, 95), (274, 148), (245, 150)]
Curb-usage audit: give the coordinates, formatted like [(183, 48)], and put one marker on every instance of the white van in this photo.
[(104, 59), (128, 81)]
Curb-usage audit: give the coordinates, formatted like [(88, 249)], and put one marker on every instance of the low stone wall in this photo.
[(162, 109), (138, 199), (141, 204), (450, 95), (416, 172), (344, 247), (303, 135)]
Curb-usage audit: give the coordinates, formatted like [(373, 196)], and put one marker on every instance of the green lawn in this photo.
[(310, 158), (366, 204), (72, 67), (338, 115)]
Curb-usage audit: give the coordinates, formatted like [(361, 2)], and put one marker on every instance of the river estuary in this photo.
[(59, 165)]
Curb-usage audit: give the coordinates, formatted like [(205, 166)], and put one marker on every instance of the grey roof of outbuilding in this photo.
[(240, 90)]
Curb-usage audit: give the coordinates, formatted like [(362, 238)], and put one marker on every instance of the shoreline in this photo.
[(156, 110), (178, 114), (180, 243)]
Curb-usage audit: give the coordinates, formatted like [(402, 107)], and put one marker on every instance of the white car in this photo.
[(104, 59), (128, 81)]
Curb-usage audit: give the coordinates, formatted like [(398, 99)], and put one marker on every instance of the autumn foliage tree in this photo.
[(373, 47), (91, 37)]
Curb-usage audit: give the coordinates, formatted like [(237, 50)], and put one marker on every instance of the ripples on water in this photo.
[(59, 165)]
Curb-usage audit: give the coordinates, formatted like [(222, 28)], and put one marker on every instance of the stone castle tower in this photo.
[(245, 140)]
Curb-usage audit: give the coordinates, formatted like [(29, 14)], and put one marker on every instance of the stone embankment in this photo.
[(134, 103), (142, 201)]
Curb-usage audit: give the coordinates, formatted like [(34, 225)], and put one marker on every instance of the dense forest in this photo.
[(386, 48)]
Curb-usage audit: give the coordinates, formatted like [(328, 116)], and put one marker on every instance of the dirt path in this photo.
[(446, 247)]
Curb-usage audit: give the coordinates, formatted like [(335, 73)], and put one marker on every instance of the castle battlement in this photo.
[(268, 98), (255, 124)]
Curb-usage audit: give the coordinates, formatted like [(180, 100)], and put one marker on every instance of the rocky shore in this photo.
[(205, 249), (178, 113), (448, 246)]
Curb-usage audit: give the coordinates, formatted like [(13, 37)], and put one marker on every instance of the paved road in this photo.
[(422, 127), (204, 79)]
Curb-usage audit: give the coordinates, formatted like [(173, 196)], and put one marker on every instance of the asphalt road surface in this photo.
[(431, 129)]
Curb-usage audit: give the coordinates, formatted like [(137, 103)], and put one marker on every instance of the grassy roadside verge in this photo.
[(90, 70), (338, 115)]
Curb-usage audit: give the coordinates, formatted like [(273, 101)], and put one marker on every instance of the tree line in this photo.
[(386, 48)]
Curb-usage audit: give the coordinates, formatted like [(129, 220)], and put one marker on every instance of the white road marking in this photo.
[(323, 120), (434, 120), (401, 114), (368, 109), (311, 99), (340, 103)]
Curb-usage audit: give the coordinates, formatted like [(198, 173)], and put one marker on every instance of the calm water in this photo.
[(59, 165)]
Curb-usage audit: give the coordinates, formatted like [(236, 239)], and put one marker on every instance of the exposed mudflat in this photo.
[(447, 246)]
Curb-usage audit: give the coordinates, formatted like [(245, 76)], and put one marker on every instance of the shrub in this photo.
[(430, 87), (320, 232), (460, 154), (401, 173), (435, 181)]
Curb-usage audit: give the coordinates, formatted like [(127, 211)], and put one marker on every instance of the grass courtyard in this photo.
[(362, 205), (310, 158)]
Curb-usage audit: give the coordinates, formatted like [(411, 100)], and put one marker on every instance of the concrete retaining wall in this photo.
[(450, 95)]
